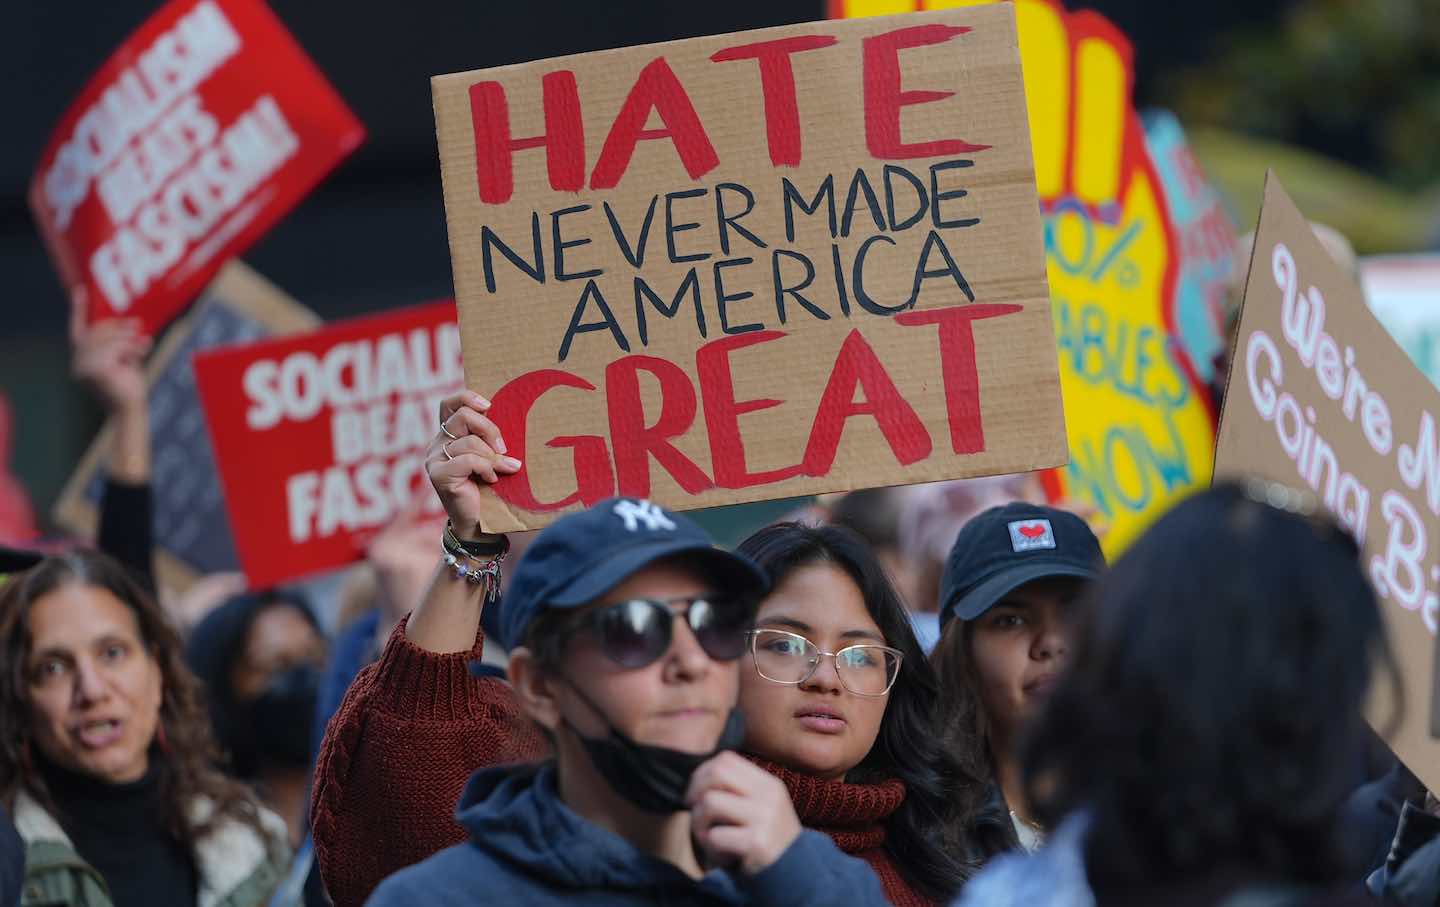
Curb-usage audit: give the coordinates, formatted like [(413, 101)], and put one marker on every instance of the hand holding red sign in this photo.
[(192, 140), (109, 357)]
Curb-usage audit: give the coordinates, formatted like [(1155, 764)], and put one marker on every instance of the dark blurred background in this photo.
[(1355, 80)]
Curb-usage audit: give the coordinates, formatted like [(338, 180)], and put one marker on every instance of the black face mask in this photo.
[(654, 778), (283, 716)]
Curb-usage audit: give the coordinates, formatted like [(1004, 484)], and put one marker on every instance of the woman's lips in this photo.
[(683, 714), (1042, 685), (821, 719), (99, 733)]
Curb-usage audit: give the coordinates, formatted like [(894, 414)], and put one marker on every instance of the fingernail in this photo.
[(480, 402), (500, 445), (511, 462)]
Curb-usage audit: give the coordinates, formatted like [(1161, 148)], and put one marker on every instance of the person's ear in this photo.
[(534, 688)]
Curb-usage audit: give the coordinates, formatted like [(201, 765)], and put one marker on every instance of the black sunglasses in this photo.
[(637, 632)]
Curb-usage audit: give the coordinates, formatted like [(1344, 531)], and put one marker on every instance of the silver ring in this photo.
[(445, 448), (446, 430)]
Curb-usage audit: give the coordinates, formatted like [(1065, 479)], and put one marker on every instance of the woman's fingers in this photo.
[(469, 398), (471, 444), (445, 448), (78, 301), (727, 771), (740, 811), (722, 807), (468, 421), (724, 844), (468, 456), (459, 469)]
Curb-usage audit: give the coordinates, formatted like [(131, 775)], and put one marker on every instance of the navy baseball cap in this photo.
[(581, 556), (1006, 547)]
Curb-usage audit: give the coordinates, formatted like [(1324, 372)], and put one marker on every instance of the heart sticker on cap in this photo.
[(1031, 535)]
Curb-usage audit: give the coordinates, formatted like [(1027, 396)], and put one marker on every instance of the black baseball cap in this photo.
[(1006, 547), (580, 557)]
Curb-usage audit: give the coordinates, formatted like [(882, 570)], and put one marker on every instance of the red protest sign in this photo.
[(204, 128), (320, 437)]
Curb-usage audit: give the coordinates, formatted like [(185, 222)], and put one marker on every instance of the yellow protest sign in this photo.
[(1139, 421)]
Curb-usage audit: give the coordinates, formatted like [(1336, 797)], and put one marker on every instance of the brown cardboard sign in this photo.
[(750, 266), (191, 533), (1322, 398)]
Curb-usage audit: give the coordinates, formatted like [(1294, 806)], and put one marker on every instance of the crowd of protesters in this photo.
[(913, 696)]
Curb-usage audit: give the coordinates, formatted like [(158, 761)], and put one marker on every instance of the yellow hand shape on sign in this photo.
[(1140, 427)]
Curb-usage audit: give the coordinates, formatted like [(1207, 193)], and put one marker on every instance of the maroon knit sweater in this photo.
[(415, 725), (409, 733), (853, 815)]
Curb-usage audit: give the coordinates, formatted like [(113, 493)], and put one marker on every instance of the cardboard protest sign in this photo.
[(1321, 398), (200, 132), (190, 530), (1140, 427), (320, 437), (751, 266)]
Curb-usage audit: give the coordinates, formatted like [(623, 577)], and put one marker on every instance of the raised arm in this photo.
[(416, 724), (108, 358)]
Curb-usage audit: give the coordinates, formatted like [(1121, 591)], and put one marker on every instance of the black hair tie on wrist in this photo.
[(478, 548)]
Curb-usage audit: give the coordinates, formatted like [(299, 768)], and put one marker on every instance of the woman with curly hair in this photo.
[(106, 752)]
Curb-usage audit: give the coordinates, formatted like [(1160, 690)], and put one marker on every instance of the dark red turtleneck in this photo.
[(854, 816)]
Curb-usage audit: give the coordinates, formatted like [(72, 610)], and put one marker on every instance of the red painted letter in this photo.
[(723, 412), (884, 97), (634, 442), (594, 479), (656, 88), (957, 367), (563, 141), (857, 364), (777, 81)]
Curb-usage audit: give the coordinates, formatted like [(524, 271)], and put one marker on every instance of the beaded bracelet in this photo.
[(488, 573)]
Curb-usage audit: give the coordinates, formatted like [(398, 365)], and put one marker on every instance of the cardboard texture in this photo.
[(1138, 415), (783, 262), (1321, 398), (191, 534), (199, 133), (320, 437)]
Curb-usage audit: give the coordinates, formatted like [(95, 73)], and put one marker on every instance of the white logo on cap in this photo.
[(1031, 535), (636, 512)]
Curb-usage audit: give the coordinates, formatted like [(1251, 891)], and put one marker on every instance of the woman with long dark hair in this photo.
[(1006, 611), (106, 753), (837, 703), (1204, 738)]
